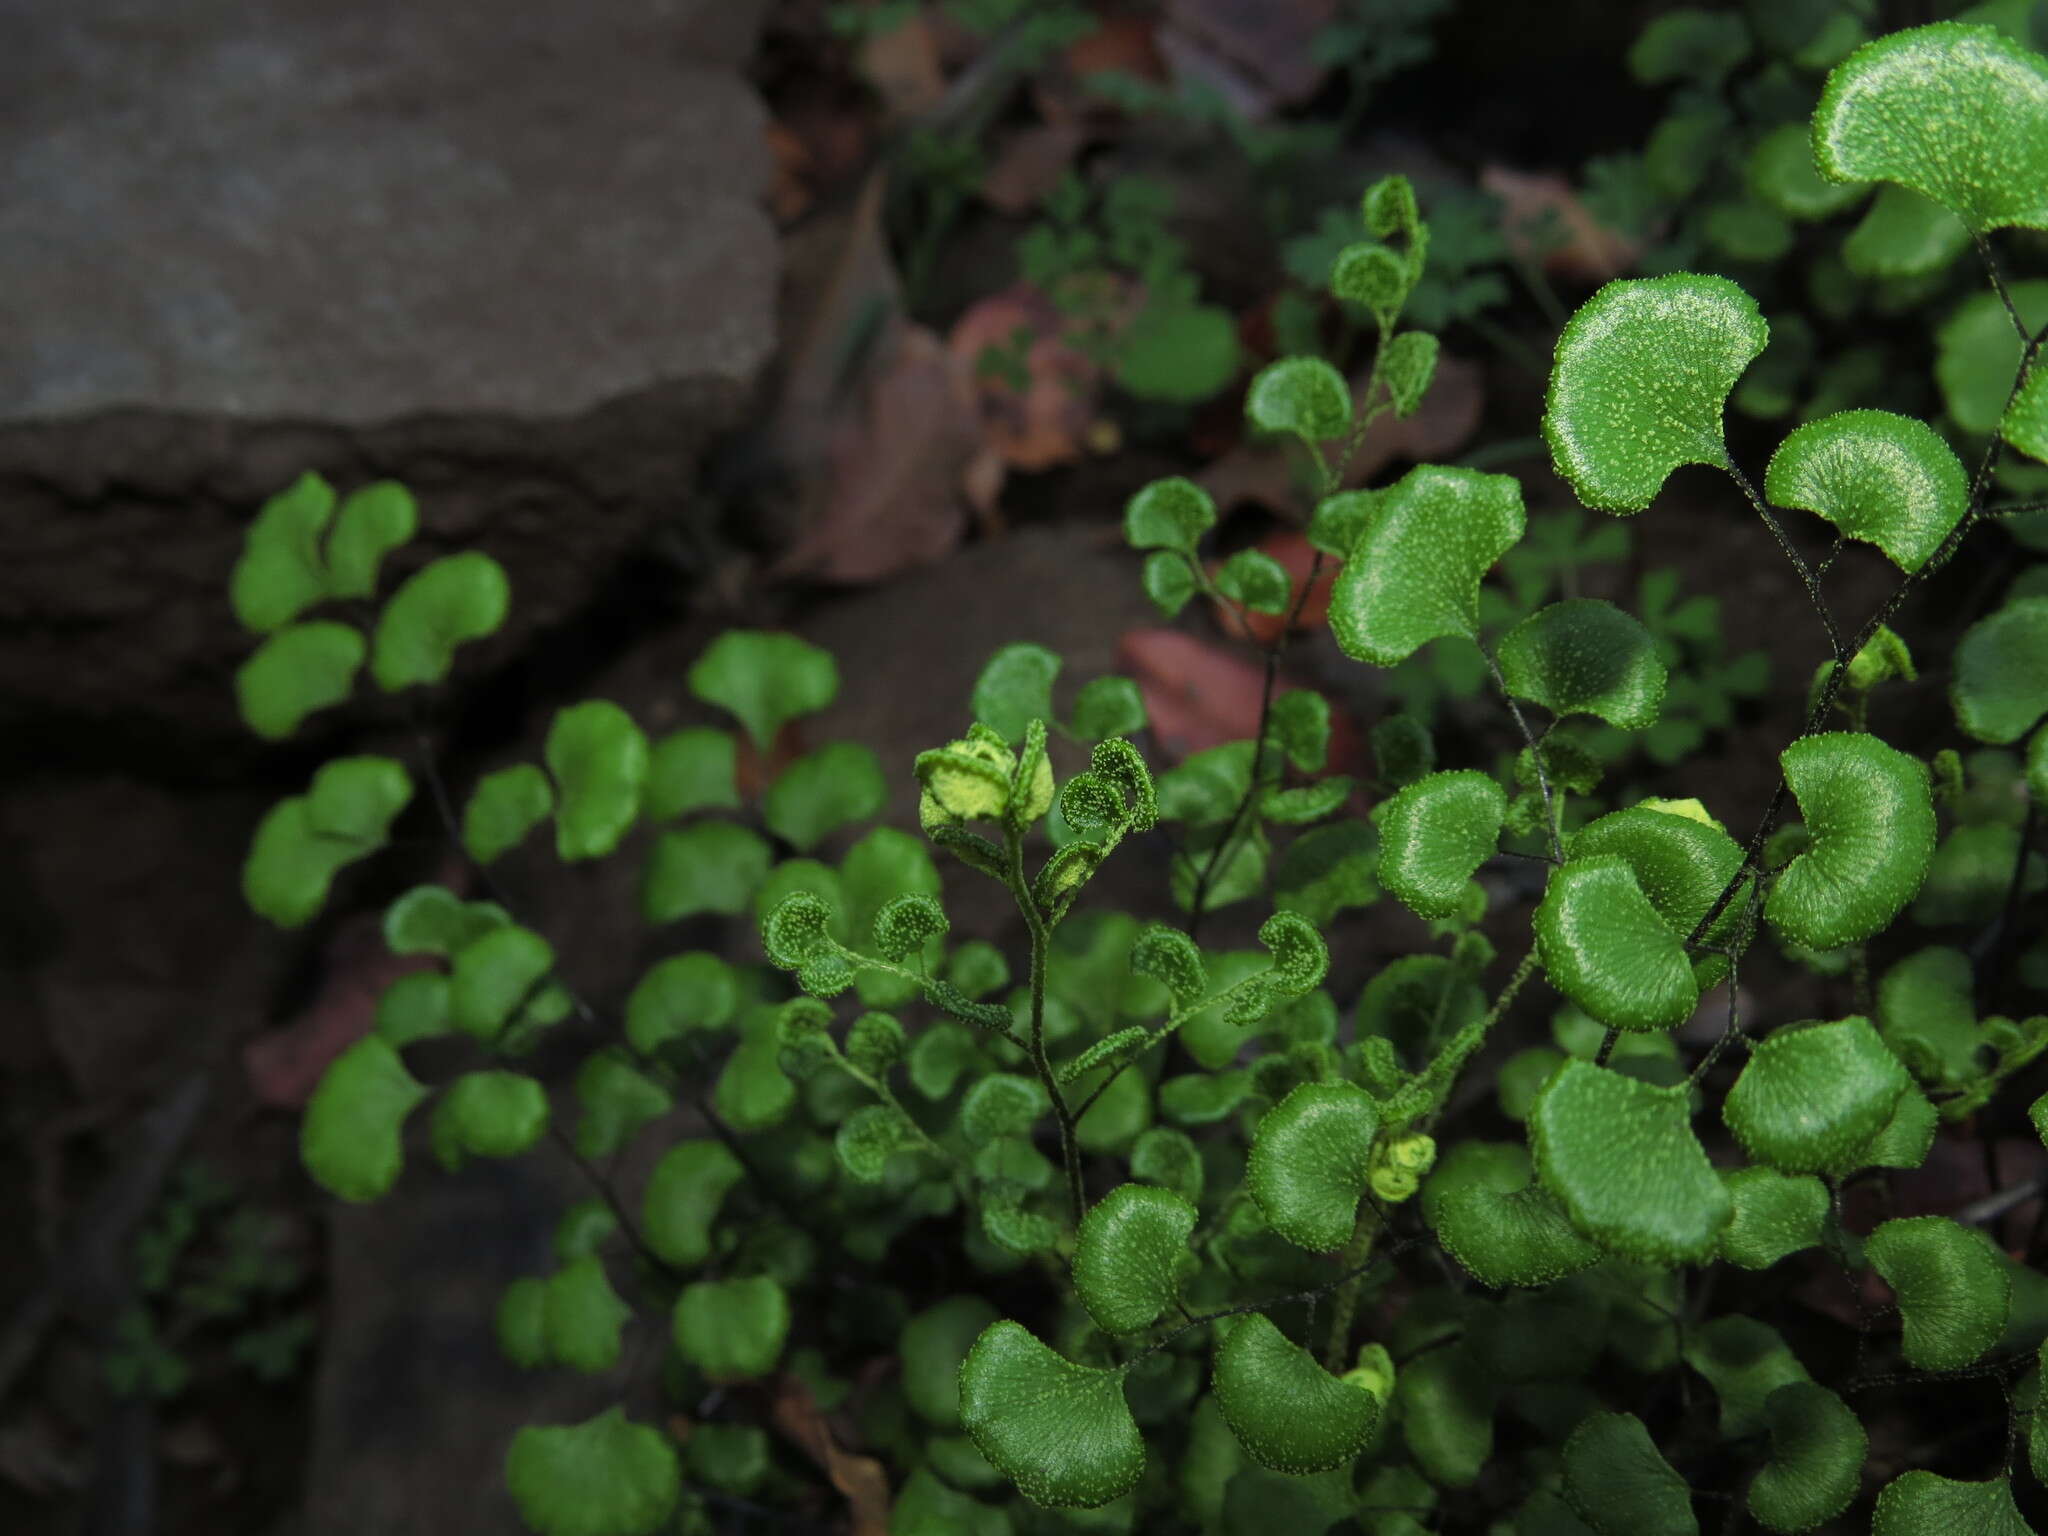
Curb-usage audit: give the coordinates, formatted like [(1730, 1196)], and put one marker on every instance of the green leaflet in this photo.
[(414, 1007), (1168, 1158), (280, 573), (678, 996), (433, 920), (867, 1138), (1255, 579), (1446, 1405), (1407, 365), (1869, 811), (1816, 1461), (1168, 580), (683, 1197), (1885, 479), (2025, 424), (1015, 688), (732, 1330), (599, 759), (456, 599), (1060, 1431), (1584, 656), (1953, 1287), (1001, 1104), (1434, 834), (492, 976), (350, 1140), (1604, 945), (1170, 957), (1903, 235), (375, 519), (1301, 396), (1746, 1361), (1775, 1214), (1105, 707), (1129, 1255), (1812, 1095), (1522, 1237), (503, 808), (817, 795), (729, 1456), (1957, 113), (1170, 514), (752, 1093), (1999, 685), (299, 847), (932, 1346), (1288, 1412), (300, 669), (583, 1316), (604, 1477), (1620, 1485), (488, 1114), (925, 1506), (691, 770), (1978, 353), (764, 679), (1622, 1157), (584, 1228), (1924, 1504), (521, 1322), (1310, 1162), (706, 866), (1781, 172), (1374, 278), (618, 1099), (1413, 574), (1642, 372), (1682, 864), (1688, 44)]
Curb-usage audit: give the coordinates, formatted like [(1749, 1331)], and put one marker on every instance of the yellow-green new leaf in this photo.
[(1311, 1160), (1869, 810), (732, 1330), (1413, 575), (350, 1140), (1816, 1460), (280, 573), (1642, 373), (456, 599), (1885, 479), (1130, 1255), (1061, 1432), (1811, 1095), (1954, 1289), (300, 669), (1620, 1485), (1922, 1503), (604, 1477), (1621, 1156), (684, 1194), (1604, 945), (1958, 113), (503, 808), (599, 759), (1999, 686), (1435, 833), (1287, 1411)]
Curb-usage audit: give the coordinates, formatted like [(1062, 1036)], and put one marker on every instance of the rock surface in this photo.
[(510, 255)]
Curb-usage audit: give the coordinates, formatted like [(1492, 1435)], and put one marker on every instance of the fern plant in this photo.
[(1224, 1261)]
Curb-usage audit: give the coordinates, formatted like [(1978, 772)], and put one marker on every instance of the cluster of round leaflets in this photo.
[(1216, 1254)]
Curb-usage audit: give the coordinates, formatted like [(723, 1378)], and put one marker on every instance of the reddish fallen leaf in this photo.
[(902, 65), (1258, 52), (1197, 693), (1029, 163), (1045, 422), (876, 424), (1593, 253), (789, 193), (753, 771), (859, 1479), (1121, 44), (1297, 557)]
